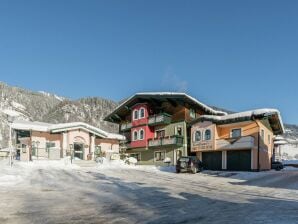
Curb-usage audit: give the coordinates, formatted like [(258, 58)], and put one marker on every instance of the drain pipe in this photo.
[(258, 160)]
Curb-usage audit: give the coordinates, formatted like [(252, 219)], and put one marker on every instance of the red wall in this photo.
[(141, 124)]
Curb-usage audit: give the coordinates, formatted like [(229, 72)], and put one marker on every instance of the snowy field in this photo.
[(58, 192)]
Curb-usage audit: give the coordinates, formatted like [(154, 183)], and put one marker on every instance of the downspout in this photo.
[(258, 158), (258, 151)]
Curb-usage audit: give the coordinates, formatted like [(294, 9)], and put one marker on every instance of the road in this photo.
[(137, 195)]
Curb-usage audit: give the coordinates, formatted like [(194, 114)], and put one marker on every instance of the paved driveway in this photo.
[(132, 195)]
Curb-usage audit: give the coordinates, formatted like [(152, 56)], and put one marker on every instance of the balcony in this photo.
[(158, 119), (245, 142), (125, 126), (166, 141)]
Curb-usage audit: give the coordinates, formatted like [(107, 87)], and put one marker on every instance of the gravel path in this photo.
[(138, 195)]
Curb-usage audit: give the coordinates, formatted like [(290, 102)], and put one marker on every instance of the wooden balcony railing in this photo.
[(158, 119), (166, 141)]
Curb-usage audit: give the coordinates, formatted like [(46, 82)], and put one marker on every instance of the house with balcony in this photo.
[(240, 141), (156, 125)]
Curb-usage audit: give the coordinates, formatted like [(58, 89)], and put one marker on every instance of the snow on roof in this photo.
[(245, 114), (211, 110), (278, 138), (280, 142), (47, 127), (29, 125)]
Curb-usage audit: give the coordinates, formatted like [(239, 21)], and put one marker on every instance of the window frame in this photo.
[(210, 137), (263, 134), (160, 130), (133, 135), (139, 116), (161, 152), (231, 134), (139, 134), (194, 135), (176, 130), (135, 112)]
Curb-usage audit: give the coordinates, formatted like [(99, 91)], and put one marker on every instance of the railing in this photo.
[(244, 142), (165, 141), (159, 119), (125, 126)]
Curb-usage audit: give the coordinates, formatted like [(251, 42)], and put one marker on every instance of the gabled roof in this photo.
[(56, 128), (138, 97), (272, 115)]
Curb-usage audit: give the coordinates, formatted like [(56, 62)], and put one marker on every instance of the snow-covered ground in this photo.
[(60, 192)]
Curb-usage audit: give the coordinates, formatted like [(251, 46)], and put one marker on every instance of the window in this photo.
[(269, 139), (142, 113), (179, 131), (50, 145), (159, 156), (160, 133), (262, 134), (236, 133), (192, 113), (135, 115), (207, 134), (197, 136), (136, 155), (141, 134), (135, 135)]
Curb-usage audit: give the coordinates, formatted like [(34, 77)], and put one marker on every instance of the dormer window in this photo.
[(135, 114), (207, 135), (142, 113)]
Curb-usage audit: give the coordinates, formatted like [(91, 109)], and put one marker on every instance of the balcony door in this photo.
[(160, 133)]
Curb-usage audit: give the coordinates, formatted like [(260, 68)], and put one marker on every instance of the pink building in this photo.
[(38, 140)]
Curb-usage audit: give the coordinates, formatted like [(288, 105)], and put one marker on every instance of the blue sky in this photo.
[(234, 54)]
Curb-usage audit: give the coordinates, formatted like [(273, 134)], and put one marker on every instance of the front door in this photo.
[(78, 151)]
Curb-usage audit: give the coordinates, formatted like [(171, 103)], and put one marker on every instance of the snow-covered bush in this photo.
[(167, 160), (131, 160)]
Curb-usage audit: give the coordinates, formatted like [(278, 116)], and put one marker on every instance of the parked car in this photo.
[(276, 165), (188, 164)]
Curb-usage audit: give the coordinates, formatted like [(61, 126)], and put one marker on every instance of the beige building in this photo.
[(37, 140), (240, 141)]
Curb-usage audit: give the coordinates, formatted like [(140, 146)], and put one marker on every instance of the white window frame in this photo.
[(133, 135), (176, 130), (142, 108), (205, 134), (139, 134), (161, 152), (231, 133), (133, 114)]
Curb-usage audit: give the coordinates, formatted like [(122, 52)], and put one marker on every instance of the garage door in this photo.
[(239, 160), (212, 160)]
